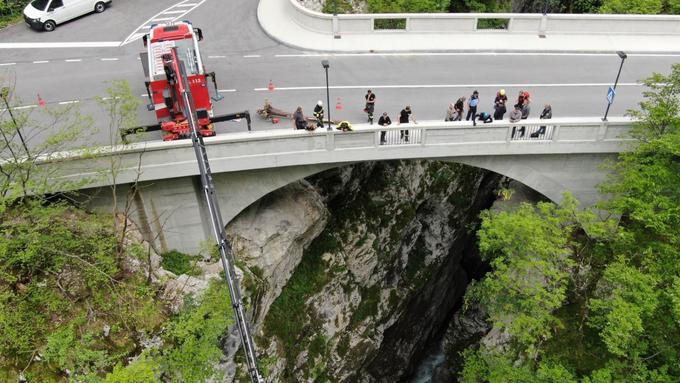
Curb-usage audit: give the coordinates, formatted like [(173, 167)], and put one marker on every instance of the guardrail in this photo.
[(482, 22), (280, 148)]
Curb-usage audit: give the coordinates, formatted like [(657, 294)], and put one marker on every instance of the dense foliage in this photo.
[(64, 296), (521, 6), (576, 299), (69, 308), (10, 10), (77, 301)]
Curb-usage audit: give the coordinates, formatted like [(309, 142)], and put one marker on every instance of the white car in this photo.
[(47, 14)]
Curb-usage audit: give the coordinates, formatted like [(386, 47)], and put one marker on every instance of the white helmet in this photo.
[(320, 103)]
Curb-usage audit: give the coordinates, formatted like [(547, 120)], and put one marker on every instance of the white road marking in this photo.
[(109, 59), (110, 98), (251, 56), (473, 54), (216, 57), (136, 35), (73, 60), (94, 44), (41, 62), (449, 86), (25, 107), (69, 102), (7, 64), (172, 12), (226, 90)]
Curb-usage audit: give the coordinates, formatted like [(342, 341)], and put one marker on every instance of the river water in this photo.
[(426, 370)]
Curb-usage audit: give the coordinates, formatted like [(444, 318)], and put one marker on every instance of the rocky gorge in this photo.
[(354, 274)]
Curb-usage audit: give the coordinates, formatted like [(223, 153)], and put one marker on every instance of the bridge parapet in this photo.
[(469, 22), (248, 151)]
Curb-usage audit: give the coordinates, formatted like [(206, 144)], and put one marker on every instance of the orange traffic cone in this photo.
[(41, 102), (338, 105), (271, 86)]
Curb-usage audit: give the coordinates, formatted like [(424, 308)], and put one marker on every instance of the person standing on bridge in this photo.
[(370, 105), (318, 114), (472, 106), (516, 116), (546, 114), (460, 104), (499, 105), (404, 118), (384, 120), (299, 119), (523, 98)]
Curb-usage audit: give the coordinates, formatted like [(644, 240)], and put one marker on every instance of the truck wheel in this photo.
[(49, 25), (99, 7)]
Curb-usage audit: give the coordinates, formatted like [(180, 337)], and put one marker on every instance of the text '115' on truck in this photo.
[(162, 83)]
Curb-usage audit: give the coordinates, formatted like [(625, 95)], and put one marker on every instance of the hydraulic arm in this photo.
[(226, 255)]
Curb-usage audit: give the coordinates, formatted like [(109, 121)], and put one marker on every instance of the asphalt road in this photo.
[(245, 60)]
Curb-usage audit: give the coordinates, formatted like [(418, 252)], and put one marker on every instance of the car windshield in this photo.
[(40, 4)]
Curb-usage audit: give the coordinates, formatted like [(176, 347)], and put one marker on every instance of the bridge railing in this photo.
[(482, 22), (279, 148)]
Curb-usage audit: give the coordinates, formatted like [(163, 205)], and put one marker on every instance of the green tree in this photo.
[(529, 252), (645, 7), (624, 280), (144, 369)]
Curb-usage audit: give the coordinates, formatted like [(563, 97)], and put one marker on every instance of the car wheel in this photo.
[(99, 7), (49, 25)]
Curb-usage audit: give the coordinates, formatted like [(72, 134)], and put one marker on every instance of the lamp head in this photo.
[(622, 54), (325, 64)]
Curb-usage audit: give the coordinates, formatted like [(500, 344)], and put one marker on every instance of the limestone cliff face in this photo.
[(270, 236), (354, 271)]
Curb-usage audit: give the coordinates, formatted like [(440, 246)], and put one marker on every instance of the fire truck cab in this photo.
[(161, 79)]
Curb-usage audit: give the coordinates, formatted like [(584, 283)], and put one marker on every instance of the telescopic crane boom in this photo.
[(226, 255)]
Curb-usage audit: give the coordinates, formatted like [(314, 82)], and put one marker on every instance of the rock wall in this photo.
[(355, 271)]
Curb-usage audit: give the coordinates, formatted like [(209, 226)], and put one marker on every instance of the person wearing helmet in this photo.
[(318, 114), (499, 105), (370, 105), (345, 126)]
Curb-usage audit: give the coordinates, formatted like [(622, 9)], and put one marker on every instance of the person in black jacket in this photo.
[(318, 114), (299, 119), (546, 114), (404, 118), (460, 104), (370, 105), (384, 120)]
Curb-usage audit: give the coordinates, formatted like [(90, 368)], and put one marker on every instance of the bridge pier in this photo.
[(171, 212)]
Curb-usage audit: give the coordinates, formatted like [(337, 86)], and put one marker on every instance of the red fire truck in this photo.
[(162, 82)]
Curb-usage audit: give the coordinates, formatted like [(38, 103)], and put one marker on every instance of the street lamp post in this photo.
[(545, 7), (623, 57), (325, 65)]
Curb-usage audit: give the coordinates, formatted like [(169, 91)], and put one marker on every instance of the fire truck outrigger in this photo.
[(162, 82)]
